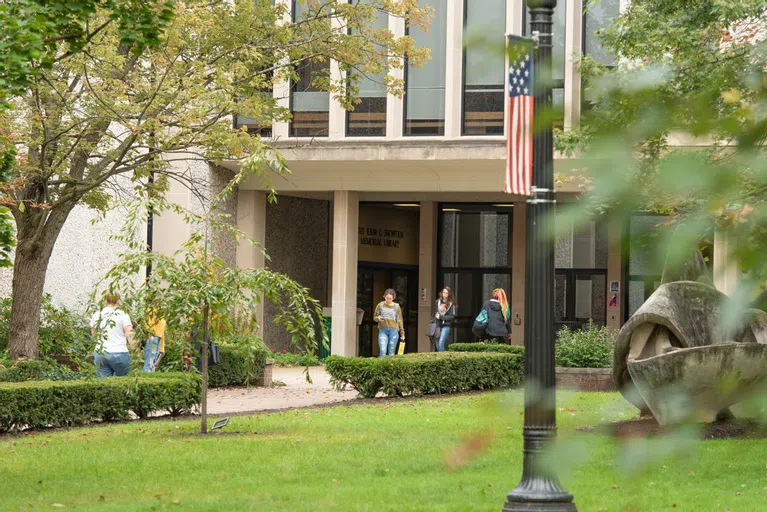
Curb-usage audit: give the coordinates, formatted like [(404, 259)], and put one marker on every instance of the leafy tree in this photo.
[(678, 126), (125, 109), (196, 292), (36, 35)]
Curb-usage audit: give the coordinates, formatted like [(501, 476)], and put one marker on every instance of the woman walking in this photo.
[(495, 315), (444, 315), (113, 332), (391, 328)]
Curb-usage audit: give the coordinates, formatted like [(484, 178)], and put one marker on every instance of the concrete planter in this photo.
[(585, 379), (266, 378)]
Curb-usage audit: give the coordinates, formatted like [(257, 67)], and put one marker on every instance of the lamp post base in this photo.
[(538, 506)]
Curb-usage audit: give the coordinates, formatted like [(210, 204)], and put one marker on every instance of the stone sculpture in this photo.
[(674, 359)]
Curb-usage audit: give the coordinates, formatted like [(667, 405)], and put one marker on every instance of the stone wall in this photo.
[(297, 241)]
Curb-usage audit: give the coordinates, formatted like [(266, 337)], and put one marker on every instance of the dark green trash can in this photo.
[(325, 350)]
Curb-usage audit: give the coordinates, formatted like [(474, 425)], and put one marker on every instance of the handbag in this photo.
[(480, 324), (433, 330)]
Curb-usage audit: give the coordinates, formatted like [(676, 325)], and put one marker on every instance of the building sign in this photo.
[(381, 237), (388, 235)]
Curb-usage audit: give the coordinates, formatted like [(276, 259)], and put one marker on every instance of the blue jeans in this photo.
[(151, 353), (111, 364), (444, 334), (387, 339)]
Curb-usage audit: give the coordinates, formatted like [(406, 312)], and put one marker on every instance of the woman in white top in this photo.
[(112, 330)]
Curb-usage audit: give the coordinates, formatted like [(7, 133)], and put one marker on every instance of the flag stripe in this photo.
[(519, 143)]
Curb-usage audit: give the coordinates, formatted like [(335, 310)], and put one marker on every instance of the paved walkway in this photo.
[(296, 393)]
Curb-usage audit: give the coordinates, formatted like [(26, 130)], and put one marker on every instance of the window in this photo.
[(557, 57), (597, 16), (474, 258), (644, 267), (309, 105), (368, 119), (425, 86), (483, 67), (580, 285)]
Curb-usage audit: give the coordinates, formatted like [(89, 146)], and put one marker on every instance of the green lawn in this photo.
[(386, 456)]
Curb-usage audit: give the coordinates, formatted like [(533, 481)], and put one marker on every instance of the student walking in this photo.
[(154, 348), (391, 328), (493, 320), (113, 331), (444, 314)]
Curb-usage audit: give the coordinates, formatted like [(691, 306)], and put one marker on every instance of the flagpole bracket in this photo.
[(538, 192)]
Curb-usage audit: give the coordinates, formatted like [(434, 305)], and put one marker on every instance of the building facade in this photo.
[(406, 193)]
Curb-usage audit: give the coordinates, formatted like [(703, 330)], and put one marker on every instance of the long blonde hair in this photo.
[(500, 296)]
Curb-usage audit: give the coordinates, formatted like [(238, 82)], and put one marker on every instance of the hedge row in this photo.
[(22, 371), (486, 347), (41, 404), (426, 373), (233, 368)]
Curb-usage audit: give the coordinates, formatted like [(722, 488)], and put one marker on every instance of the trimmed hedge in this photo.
[(233, 369), (426, 373), (486, 347), (42, 404)]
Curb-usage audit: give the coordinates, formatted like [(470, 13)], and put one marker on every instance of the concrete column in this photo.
[(344, 299), (427, 271), (281, 89), (615, 273), (573, 46), (395, 104), (518, 260), (453, 69), (725, 268), (336, 112), (251, 220)]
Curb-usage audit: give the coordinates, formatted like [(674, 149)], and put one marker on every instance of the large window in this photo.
[(309, 104), (368, 119), (474, 258), (425, 86), (557, 56), (597, 16), (580, 288), (483, 67), (644, 266)]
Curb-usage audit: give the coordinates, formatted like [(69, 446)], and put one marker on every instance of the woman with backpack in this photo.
[(391, 328), (493, 320), (444, 314)]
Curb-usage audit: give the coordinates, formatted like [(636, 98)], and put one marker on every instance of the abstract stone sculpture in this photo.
[(673, 357)]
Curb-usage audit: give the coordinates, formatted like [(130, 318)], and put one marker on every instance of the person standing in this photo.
[(391, 327), (154, 348), (113, 332), (444, 314)]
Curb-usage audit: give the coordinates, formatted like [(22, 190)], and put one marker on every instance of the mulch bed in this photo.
[(739, 428)]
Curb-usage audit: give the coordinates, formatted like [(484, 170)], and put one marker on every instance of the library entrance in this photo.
[(387, 258)]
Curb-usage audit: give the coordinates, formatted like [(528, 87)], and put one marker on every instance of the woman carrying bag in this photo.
[(444, 314), (493, 320)]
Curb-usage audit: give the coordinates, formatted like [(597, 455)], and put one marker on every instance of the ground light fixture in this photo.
[(539, 488), (220, 424)]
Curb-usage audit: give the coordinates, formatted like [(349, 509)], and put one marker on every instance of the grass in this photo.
[(388, 456)]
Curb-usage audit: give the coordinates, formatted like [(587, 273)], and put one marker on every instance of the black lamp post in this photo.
[(539, 488)]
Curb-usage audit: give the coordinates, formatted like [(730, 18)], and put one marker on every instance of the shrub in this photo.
[(426, 373), (61, 330), (592, 348), (236, 369), (288, 359), (20, 371), (61, 404), (486, 347)]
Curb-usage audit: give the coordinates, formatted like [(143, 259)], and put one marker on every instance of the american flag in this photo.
[(519, 140)]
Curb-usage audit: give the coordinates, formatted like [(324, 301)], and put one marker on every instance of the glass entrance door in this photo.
[(372, 281)]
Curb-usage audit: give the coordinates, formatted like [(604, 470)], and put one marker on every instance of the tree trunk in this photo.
[(29, 268)]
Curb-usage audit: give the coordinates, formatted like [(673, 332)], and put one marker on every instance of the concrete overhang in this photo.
[(411, 167)]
